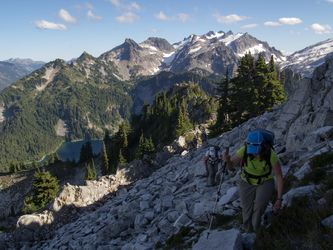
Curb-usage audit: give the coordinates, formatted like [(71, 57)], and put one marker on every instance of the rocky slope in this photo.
[(154, 208)]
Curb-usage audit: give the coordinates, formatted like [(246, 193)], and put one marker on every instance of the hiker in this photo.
[(204, 139), (195, 141), (257, 185), (190, 148), (212, 158)]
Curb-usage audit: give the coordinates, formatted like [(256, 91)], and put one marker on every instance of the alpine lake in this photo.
[(71, 150)]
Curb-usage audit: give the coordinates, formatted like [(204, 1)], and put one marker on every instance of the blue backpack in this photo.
[(269, 136)]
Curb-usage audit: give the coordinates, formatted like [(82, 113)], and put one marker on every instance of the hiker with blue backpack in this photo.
[(256, 187)]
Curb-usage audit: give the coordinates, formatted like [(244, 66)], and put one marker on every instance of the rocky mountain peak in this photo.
[(159, 43), (85, 56)]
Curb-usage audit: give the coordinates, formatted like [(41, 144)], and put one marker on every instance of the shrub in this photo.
[(297, 227), (321, 160), (177, 240)]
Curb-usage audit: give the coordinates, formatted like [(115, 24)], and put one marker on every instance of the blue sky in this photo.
[(46, 30)]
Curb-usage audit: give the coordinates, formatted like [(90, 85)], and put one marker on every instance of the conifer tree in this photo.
[(107, 138), (150, 145), (94, 174), (86, 152), (105, 166), (254, 90), (141, 150), (13, 167), (222, 121), (51, 159), (180, 124), (44, 188), (34, 164), (89, 175), (21, 165), (122, 160), (56, 157)]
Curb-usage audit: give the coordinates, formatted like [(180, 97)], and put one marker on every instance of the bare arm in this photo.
[(231, 162), (279, 179)]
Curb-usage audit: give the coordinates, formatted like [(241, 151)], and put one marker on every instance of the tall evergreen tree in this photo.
[(122, 160), (51, 159), (94, 174), (34, 164), (222, 121), (105, 164), (56, 157), (44, 187), (254, 90), (89, 175), (86, 152), (180, 124)]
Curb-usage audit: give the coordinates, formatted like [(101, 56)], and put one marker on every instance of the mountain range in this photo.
[(80, 99), (14, 69), (195, 53)]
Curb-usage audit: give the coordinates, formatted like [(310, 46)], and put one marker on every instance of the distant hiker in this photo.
[(212, 157), (204, 138), (257, 184), (191, 147), (195, 141)]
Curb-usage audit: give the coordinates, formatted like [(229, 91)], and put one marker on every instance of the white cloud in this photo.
[(154, 30), (162, 16), (320, 29), (42, 24), (85, 6), (272, 23), (89, 6), (250, 26), (179, 17), (290, 20), (128, 17), (133, 6), (65, 16), (229, 19), (330, 1), (183, 17), (284, 21), (92, 17)]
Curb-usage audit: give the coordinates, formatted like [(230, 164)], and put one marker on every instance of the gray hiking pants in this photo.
[(212, 170), (254, 202)]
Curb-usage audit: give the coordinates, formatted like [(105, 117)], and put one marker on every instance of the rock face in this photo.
[(156, 206)]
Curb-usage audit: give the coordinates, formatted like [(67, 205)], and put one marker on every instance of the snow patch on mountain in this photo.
[(232, 38), (168, 58), (254, 50), (195, 50), (306, 60)]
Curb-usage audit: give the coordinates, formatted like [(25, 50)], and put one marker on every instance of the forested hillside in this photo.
[(172, 114), (60, 102), (71, 102)]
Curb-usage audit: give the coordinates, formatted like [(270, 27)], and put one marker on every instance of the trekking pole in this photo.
[(218, 194)]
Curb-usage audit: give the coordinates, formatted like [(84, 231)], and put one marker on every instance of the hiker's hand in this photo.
[(226, 157), (277, 206)]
